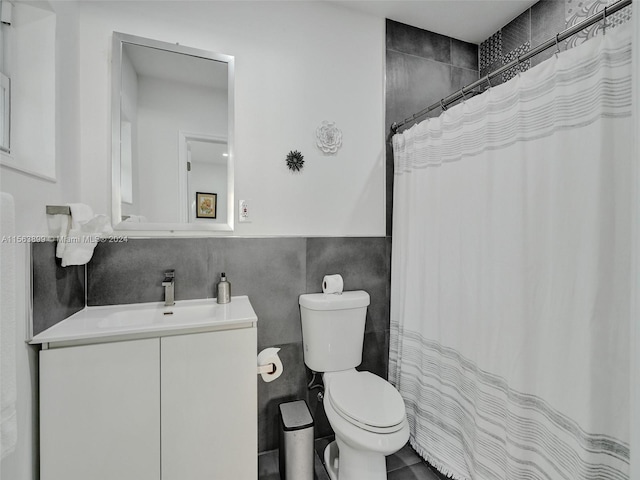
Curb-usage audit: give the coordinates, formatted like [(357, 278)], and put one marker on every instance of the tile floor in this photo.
[(403, 465)]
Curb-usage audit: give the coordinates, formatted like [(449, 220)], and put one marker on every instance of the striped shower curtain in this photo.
[(511, 273)]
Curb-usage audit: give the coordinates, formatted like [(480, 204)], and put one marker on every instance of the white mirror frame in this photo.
[(160, 229)]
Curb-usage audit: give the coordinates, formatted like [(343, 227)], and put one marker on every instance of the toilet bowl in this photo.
[(365, 411), (368, 417)]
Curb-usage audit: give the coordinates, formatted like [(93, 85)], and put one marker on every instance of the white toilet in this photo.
[(366, 413)]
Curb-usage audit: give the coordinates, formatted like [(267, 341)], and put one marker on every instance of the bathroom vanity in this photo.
[(148, 392)]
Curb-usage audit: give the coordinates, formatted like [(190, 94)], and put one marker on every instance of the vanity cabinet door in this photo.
[(209, 406), (99, 412)]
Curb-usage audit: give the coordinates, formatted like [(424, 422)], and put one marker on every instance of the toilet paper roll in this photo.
[(267, 356), (332, 284)]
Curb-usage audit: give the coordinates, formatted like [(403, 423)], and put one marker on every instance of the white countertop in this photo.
[(140, 320)]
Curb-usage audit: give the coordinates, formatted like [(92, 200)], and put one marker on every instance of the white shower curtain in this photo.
[(511, 273)]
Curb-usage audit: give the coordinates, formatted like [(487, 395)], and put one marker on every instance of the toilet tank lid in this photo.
[(335, 301)]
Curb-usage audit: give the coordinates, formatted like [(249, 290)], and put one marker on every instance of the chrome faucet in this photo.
[(168, 283)]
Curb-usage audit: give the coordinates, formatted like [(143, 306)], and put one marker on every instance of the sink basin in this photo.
[(142, 320)]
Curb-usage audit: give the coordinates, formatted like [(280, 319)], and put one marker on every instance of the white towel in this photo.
[(76, 246), (8, 422), (61, 231)]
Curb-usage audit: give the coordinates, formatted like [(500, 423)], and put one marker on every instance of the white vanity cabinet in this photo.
[(208, 416), (99, 412), (172, 407)]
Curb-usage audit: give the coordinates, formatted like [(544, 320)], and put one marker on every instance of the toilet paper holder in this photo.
[(269, 364), (268, 368)]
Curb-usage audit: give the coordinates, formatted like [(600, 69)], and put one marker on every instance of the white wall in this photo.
[(297, 64), (31, 194), (30, 63)]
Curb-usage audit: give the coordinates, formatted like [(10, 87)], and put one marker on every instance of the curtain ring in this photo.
[(462, 93), (604, 21), (488, 81), (442, 106), (519, 69), (557, 45)]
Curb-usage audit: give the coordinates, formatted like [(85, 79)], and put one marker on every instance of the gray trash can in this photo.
[(296, 441)]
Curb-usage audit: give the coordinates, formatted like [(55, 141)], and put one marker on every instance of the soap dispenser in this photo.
[(224, 289)]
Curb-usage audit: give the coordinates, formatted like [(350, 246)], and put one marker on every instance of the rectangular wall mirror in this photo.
[(172, 137)]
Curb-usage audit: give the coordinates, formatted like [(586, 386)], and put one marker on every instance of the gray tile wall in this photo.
[(58, 292), (535, 26), (422, 67), (273, 272), (529, 29)]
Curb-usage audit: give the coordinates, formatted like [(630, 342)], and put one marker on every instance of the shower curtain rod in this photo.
[(597, 17)]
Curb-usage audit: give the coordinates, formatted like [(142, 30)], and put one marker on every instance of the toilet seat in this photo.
[(367, 401)]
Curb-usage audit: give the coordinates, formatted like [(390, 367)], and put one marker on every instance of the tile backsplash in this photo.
[(57, 291), (273, 272)]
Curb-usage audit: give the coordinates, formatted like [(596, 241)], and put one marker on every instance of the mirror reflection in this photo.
[(173, 129), (206, 166)]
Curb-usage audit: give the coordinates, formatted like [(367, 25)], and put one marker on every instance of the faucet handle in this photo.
[(169, 278)]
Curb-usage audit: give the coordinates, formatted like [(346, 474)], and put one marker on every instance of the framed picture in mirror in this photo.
[(206, 205)]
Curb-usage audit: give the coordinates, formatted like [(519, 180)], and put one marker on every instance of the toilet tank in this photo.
[(333, 329)]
